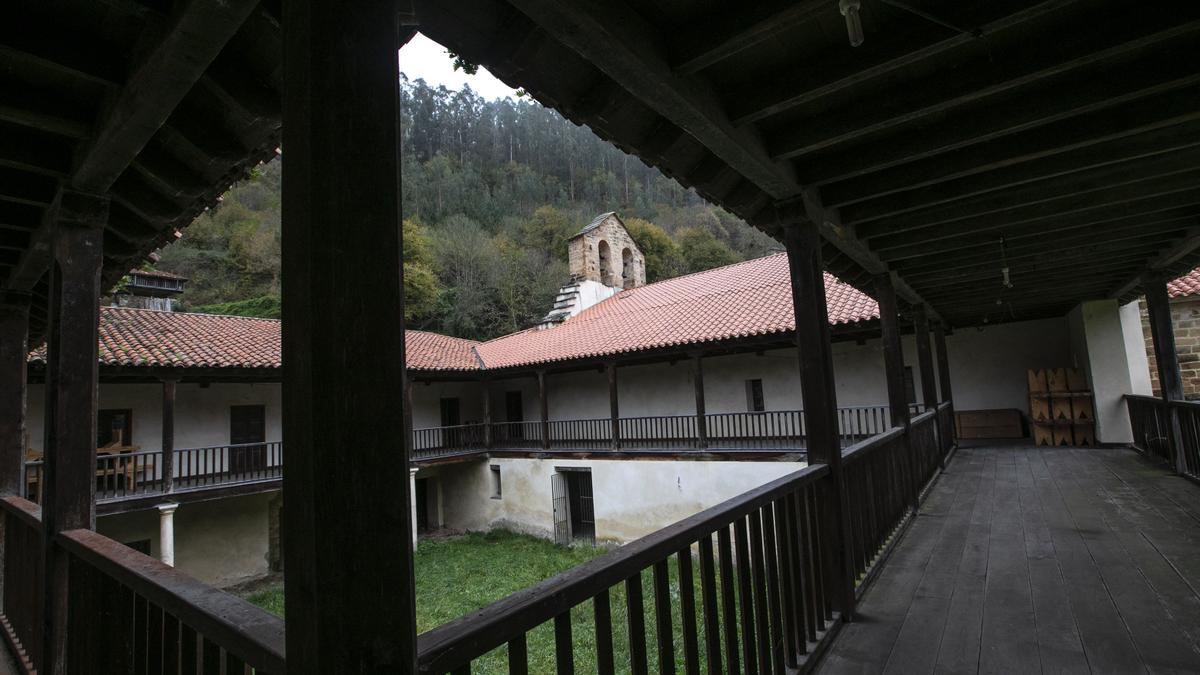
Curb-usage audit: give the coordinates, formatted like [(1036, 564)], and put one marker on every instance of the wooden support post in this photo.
[(614, 412), (701, 413), (1170, 379), (487, 413), (69, 490), (893, 367), (803, 244), (168, 433), (351, 607), (543, 409), (14, 350), (893, 351), (925, 358), (943, 362), (407, 418)]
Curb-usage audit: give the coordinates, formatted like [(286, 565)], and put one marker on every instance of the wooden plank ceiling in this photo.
[(1057, 138), (161, 105)]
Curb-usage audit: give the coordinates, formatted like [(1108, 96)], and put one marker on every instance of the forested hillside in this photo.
[(491, 192)]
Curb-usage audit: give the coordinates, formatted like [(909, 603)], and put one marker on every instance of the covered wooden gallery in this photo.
[(967, 162)]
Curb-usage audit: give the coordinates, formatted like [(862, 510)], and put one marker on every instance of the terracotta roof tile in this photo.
[(744, 299), (142, 337), (1188, 284), (741, 300)]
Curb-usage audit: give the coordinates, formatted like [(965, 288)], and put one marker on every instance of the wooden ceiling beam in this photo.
[(67, 54), (714, 39), (1169, 113), (1036, 72), (874, 217), (1133, 214), (34, 151), (1062, 263), (1183, 248), (166, 73), (26, 188), (1141, 146), (948, 223), (793, 85), (615, 39)]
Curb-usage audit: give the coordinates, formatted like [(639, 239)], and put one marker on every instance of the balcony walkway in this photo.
[(1029, 560)]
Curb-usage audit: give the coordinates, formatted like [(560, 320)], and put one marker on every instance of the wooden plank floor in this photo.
[(1027, 560)]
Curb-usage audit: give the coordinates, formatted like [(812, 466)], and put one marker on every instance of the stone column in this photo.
[(166, 533)]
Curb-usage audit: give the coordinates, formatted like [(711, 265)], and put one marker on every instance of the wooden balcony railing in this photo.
[(754, 577), (130, 475), (1152, 420), (22, 621), (436, 441)]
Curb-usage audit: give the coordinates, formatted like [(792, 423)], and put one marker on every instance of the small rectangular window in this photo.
[(114, 428), (754, 396), (497, 490)]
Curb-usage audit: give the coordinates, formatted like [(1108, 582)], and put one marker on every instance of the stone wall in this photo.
[(1185, 314), (598, 255)]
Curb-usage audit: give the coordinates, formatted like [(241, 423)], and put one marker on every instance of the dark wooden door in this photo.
[(451, 410), (247, 427)]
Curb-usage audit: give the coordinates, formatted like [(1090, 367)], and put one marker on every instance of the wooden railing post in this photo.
[(817, 385), (69, 490), (168, 432), (614, 411), (701, 414), (925, 364), (1170, 379), (893, 367), (947, 394), (487, 413), (543, 409), (351, 608), (14, 349)]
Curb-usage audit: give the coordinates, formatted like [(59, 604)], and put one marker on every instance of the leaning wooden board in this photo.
[(985, 424)]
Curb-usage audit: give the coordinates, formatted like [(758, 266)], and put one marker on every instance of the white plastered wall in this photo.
[(1135, 349), (632, 498), (220, 542), (1101, 348)]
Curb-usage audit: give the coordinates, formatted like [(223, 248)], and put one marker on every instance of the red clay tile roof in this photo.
[(1188, 284), (142, 337), (740, 300), (431, 351)]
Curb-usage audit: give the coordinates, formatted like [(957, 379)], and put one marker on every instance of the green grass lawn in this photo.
[(461, 574)]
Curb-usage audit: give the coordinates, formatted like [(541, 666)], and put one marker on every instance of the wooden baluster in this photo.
[(794, 589), (518, 656), (712, 617), (771, 549), (662, 618), (141, 634), (170, 650), (234, 665), (729, 611), (635, 620), (212, 657), (154, 645), (687, 612), (602, 618), (189, 651), (745, 594), (564, 650), (758, 579)]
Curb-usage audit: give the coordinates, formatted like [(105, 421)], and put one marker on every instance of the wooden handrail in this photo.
[(455, 644), (865, 447), (235, 624), (25, 510)]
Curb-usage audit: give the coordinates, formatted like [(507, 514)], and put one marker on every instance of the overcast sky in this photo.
[(425, 59)]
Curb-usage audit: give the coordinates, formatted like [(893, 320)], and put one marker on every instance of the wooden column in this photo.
[(803, 244), (168, 432), (487, 413), (1170, 379), (69, 491), (543, 409), (925, 358), (893, 351), (701, 419), (407, 418), (350, 606), (14, 348), (614, 411), (943, 361), (893, 366)]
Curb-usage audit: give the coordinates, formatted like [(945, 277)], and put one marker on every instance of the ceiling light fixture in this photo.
[(850, 10)]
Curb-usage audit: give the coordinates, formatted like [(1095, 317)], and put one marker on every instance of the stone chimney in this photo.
[(149, 290), (603, 260)]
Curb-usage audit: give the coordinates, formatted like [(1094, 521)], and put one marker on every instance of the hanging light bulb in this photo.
[(850, 9)]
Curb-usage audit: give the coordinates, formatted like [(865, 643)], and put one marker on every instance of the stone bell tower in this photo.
[(603, 260)]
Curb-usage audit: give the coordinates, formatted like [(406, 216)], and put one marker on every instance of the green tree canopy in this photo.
[(700, 250), (662, 254)]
